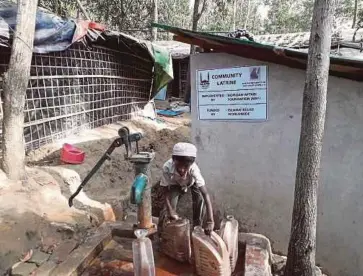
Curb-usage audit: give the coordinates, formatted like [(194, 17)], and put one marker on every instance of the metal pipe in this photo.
[(144, 215)]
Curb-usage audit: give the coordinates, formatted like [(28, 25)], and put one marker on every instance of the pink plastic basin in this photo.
[(72, 155)]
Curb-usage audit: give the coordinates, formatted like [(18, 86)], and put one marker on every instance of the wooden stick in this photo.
[(83, 10)]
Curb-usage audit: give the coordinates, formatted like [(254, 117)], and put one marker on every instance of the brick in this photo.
[(257, 261), (256, 240), (258, 254)]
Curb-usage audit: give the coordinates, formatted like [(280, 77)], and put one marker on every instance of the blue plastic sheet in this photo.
[(161, 94), (169, 113), (52, 33)]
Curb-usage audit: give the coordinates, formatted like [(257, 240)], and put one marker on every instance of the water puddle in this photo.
[(116, 260)]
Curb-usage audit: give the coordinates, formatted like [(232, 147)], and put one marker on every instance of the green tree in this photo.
[(302, 245), (359, 24), (63, 8), (283, 16)]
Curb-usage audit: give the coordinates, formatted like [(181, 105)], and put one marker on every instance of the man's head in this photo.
[(184, 155)]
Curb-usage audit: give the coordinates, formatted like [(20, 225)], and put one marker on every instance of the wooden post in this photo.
[(302, 246)]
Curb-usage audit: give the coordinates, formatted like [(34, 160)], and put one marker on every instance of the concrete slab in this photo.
[(46, 268), (126, 228), (23, 269), (39, 257), (81, 257), (62, 251), (75, 262)]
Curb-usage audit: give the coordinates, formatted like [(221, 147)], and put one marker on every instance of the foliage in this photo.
[(61, 7), (122, 14), (257, 16), (360, 17)]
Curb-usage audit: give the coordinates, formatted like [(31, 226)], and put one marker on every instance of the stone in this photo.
[(23, 269), (318, 271), (45, 269), (63, 227), (257, 240), (257, 261), (39, 258), (108, 213), (62, 251), (278, 264), (99, 215), (48, 244)]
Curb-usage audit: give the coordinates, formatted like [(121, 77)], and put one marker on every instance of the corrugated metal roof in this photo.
[(348, 67), (291, 40), (301, 40)]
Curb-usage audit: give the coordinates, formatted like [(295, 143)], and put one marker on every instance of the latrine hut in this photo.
[(180, 54), (342, 45), (82, 77)]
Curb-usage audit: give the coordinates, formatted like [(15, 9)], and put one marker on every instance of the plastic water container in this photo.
[(229, 234), (210, 254), (175, 240), (143, 255)]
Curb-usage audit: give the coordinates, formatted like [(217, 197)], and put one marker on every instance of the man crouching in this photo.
[(179, 174)]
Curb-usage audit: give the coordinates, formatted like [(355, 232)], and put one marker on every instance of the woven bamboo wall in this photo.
[(81, 88)]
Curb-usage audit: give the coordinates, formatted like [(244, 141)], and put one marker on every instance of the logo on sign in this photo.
[(255, 73), (204, 82)]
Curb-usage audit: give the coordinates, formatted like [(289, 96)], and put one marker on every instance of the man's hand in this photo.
[(209, 228), (210, 222), (173, 215)]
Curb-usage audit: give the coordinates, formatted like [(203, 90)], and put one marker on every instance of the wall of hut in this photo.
[(81, 88)]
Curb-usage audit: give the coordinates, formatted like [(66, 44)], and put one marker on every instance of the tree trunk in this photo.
[(355, 14), (15, 85), (197, 14), (302, 246), (360, 22), (155, 20), (57, 7), (195, 18), (247, 15), (234, 15)]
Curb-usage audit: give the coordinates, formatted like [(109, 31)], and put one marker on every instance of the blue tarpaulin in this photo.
[(52, 33), (161, 94), (55, 34), (169, 113)]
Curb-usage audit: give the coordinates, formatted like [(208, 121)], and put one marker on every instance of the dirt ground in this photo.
[(36, 214)]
